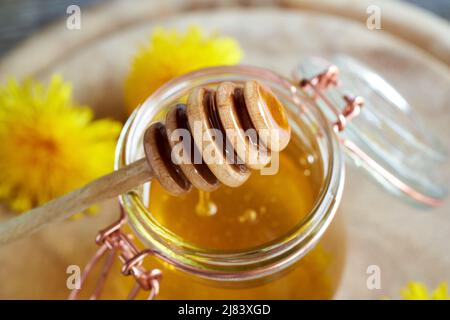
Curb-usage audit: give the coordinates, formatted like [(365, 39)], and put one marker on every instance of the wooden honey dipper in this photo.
[(231, 107)]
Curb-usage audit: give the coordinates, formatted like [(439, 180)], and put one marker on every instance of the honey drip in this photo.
[(205, 206)]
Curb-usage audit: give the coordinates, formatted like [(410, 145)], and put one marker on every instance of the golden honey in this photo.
[(263, 209)]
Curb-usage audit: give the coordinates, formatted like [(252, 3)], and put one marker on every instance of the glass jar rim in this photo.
[(255, 262)]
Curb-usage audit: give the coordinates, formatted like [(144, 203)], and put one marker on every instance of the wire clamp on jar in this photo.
[(114, 242), (320, 82)]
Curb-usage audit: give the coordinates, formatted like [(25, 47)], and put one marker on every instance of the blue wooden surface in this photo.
[(21, 18)]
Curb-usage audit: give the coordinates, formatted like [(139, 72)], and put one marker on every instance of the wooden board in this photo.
[(406, 243)]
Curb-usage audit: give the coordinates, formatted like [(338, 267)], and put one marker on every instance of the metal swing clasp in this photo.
[(322, 81), (114, 242)]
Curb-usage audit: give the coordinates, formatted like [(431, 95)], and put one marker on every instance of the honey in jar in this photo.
[(263, 209)]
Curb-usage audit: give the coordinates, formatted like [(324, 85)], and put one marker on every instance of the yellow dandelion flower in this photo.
[(418, 291), (49, 145), (170, 54)]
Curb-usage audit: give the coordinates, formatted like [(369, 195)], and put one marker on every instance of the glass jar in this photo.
[(307, 260)]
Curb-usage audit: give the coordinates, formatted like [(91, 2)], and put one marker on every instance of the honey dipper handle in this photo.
[(103, 188)]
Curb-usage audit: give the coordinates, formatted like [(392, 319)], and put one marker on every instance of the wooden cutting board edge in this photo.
[(52, 45)]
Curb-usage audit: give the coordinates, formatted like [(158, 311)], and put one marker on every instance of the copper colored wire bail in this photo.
[(114, 243), (320, 83)]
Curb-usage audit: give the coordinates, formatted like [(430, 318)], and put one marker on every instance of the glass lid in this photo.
[(385, 137)]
